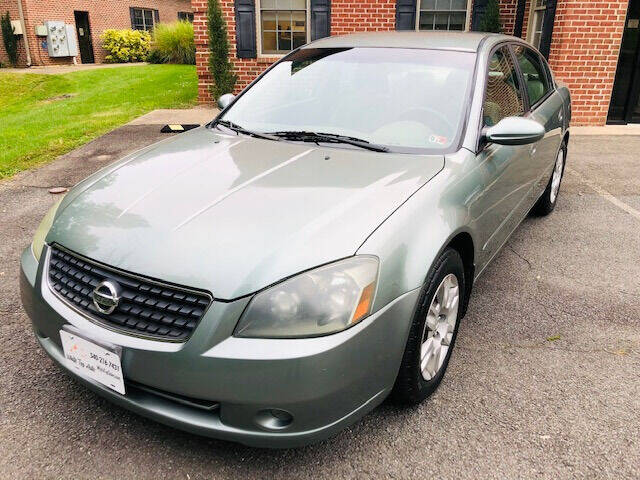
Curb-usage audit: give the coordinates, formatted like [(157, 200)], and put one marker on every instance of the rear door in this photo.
[(545, 107)]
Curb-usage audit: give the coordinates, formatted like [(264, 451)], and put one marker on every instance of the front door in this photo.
[(84, 37), (625, 98), (504, 168)]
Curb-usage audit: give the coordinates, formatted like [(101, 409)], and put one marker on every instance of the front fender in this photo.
[(411, 239)]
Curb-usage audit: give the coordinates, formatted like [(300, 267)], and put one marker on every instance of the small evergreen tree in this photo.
[(221, 68), (10, 39), (491, 18)]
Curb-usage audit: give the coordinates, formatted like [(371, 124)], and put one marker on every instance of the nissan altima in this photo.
[(274, 275)]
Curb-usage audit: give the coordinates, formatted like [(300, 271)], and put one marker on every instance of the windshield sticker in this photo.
[(440, 140)]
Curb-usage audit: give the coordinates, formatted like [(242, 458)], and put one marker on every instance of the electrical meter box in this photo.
[(61, 39)]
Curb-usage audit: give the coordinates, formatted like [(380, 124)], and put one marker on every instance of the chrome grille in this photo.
[(146, 308)]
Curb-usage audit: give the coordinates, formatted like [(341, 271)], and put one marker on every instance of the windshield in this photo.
[(405, 99)]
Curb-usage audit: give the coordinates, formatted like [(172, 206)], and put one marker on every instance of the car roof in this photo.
[(459, 41)]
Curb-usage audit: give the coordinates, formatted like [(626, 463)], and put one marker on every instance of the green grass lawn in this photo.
[(44, 116)]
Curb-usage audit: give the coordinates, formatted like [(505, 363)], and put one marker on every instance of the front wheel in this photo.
[(547, 202), (433, 331)]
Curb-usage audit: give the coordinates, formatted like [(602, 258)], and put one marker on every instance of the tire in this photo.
[(547, 202), (412, 386)]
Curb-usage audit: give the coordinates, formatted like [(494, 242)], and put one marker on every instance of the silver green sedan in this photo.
[(272, 276)]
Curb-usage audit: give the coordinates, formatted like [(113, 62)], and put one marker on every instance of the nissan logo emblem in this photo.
[(106, 296)]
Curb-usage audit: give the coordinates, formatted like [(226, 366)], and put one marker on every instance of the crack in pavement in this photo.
[(520, 256)]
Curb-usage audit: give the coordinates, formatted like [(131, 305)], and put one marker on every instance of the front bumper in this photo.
[(325, 383)]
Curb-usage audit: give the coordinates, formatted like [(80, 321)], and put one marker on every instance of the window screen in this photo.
[(283, 24), (442, 15)]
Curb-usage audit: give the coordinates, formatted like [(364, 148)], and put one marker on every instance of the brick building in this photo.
[(581, 39), (89, 18)]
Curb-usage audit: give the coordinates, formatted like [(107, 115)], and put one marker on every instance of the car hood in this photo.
[(233, 214)]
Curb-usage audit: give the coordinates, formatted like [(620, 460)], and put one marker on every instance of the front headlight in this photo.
[(325, 300), (43, 229)]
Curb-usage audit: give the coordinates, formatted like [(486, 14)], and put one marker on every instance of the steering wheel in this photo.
[(418, 114)]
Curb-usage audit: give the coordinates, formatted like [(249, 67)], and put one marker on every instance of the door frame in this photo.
[(76, 13), (633, 93)]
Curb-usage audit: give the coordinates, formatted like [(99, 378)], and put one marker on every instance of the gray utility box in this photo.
[(61, 39)]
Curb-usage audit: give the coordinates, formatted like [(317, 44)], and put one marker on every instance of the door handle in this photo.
[(533, 149)]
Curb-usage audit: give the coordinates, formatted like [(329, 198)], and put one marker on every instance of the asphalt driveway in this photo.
[(544, 381)]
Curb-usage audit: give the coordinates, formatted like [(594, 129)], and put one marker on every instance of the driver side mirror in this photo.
[(225, 100), (514, 131)]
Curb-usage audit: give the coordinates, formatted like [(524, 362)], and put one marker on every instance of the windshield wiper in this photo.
[(317, 137), (241, 130)]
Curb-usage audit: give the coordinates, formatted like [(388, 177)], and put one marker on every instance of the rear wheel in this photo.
[(547, 202), (433, 331)]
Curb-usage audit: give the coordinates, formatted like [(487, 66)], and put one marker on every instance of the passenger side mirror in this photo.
[(514, 131), (225, 100)]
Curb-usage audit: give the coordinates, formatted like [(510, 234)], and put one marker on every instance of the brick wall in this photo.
[(584, 54), (11, 6), (584, 51), (347, 16), (507, 15), (103, 14), (584, 48)]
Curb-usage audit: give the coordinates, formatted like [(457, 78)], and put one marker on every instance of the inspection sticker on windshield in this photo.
[(92, 361), (440, 140)]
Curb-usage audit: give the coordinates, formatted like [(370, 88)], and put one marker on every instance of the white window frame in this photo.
[(535, 10), (467, 23), (259, 31)]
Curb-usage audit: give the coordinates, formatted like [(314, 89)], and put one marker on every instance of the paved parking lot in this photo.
[(544, 381)]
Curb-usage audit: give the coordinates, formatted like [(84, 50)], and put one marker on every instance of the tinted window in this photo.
[(503, 96), (402, 98), (534, 73)]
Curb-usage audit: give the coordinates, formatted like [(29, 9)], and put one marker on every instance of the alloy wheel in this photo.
[(557, 176), (442, 317)]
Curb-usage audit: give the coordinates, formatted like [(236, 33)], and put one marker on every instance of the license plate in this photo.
[(93, 361)]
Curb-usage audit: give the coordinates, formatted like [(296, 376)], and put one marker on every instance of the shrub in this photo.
[(154, 56), (10, 40), (126, 45), (173, 43), (491, 18), (221, 68)]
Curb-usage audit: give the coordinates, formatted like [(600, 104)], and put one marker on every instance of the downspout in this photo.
[(24, 33)]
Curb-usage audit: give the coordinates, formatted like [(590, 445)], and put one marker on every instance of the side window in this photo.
[(534, 73), (503, 96)]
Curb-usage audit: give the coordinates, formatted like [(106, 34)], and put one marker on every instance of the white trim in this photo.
[(467, 21), (530, 23), (259, 31)]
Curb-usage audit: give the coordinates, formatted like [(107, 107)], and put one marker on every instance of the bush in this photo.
[(491, 18), (10, 40), (221, 68), (173, 43), (126, 45), (154, 56)]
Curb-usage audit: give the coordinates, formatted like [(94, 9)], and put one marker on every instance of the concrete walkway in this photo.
[(165, 116), (59, 69), (614, 130)]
